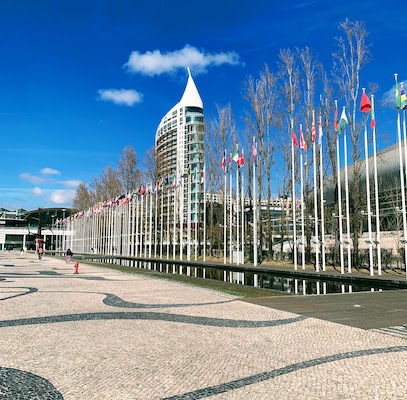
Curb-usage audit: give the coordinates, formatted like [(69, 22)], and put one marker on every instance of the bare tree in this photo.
[(107, 187), (309, 69), (261, 97), (128, 173), (289, 86), (150, 172), (220, 135), (83, 198), (352, 54)]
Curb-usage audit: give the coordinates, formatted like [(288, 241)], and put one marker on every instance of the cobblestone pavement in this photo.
[(104, 334)]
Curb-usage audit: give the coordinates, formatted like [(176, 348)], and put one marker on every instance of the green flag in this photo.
[(343, 121), (235, 155), (398, 96)]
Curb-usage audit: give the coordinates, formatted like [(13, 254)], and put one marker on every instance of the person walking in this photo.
[(69, 254), (40, 253)]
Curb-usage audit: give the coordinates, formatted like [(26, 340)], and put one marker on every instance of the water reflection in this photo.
[(265, 281)]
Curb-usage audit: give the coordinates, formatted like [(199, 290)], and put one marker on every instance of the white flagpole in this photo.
[(175, 224), (293, 199), (137, 225), (181, 222), (204, 216), (224, 224), (369, 217), (155, 222), (224, 213), (254, 211), (141, 226), (403, 195), (230, 220), (369, 221), (302, 203), (321, 183), (315, 198), (237, 215), (162, 222), (151, 227), (146, 223), (403, 112), (168, 222), (242, 218), (189, 218), (376, 183), (347, 201), (339, 200)]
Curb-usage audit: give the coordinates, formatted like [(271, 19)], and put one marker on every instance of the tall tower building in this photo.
[(179, 154)]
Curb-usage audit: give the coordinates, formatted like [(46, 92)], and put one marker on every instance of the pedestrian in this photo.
[(69, 254), (22, 251), (76, 267), (40, 253)]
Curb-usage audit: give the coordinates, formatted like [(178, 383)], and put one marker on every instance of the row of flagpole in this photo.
[(138, 229), (319, 237)]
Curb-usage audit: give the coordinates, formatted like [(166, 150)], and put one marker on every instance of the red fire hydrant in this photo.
[(76, 267)]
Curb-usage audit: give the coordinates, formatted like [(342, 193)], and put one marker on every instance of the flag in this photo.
[(336, 123), (365, 105), (141, 191), (398, 97), (235, 155), (403, 97), (254, 150), (373, 121), (229, 166), (203, 176), (186, 172), (313, 131), (303, 145), (294, 139), (240, 161), (223, 163), (320, 132), (343, 121)]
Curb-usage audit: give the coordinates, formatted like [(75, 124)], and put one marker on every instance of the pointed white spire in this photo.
[(191, 95)]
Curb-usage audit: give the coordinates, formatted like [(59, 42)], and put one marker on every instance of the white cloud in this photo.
[(120, 96), (49, 171), (62, 196), (71, 183), (156, 63), (37, 191), (36, 180)]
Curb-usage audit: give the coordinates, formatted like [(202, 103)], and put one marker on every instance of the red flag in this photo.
[(254, 150), (313, 130), (365, 105), (336, 122), (373, 121), (303, 145), (294, 139), (240, 161)]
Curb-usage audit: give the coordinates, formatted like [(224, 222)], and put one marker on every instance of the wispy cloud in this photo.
[(49, 171), (35, 180), (155, 63), (70, 183), (125, 97)]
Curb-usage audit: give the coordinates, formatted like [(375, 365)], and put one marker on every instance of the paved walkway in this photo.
[(104, 334)]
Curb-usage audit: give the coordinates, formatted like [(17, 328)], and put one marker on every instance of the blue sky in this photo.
[(81, 80)]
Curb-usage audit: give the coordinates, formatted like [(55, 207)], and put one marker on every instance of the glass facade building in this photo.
[(179, 154)]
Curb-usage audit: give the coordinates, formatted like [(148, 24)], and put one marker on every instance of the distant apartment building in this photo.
[(179, 153)]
